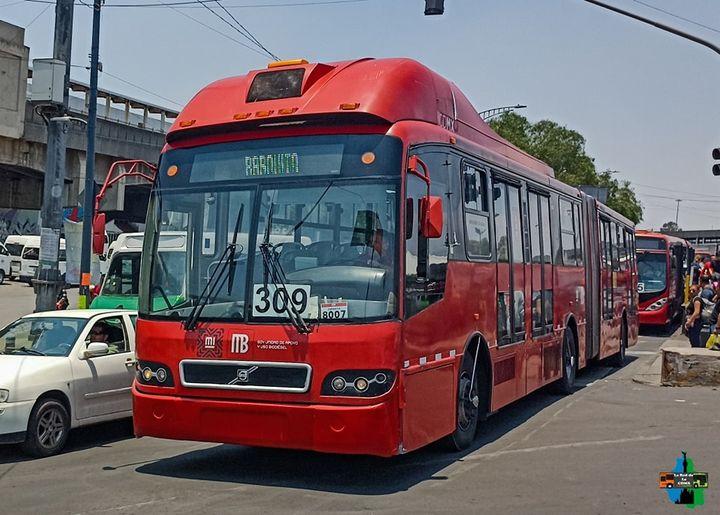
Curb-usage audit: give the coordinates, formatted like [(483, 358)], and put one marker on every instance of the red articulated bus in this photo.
[(663, 262), (369, 266)]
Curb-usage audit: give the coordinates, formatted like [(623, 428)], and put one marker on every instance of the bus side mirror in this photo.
[(98, 237), (431, 216)]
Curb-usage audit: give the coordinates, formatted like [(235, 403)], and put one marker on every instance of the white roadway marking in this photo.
[(127, 506), (473, 460), (575, 398), (570, 445), (641, 353)]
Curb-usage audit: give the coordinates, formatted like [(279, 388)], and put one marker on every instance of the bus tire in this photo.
[(617, 360), (467, 412), (566, 383)]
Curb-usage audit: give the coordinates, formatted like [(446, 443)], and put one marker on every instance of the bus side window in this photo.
[(502, 251), (547, 253), (477, 217), (615, 247), (536, 255), (567, 233), (577, 218), (426, 259), (606, 260)]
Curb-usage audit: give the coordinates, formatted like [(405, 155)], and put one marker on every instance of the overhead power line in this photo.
[(210, 27), (252, 37), (247, 35), (672, 190), (688, 20), (192, 4), (136, 86), (38, 15)]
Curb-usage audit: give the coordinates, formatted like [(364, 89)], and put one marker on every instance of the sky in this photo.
[(647, 102)]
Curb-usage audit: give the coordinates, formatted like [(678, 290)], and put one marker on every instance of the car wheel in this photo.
[(618, 359), (468, 412), (48, 429), (566, 383), (2, 276)]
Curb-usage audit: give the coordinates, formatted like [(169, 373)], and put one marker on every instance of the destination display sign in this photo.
[(244, 162)]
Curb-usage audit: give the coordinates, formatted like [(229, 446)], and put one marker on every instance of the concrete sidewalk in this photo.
[(682, 365), (650, 373)]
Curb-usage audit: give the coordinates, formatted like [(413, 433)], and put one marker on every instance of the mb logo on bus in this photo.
[(239, 343)]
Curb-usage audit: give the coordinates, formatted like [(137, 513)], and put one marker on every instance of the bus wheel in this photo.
[(565, 384), (467, 406), (618, 359)]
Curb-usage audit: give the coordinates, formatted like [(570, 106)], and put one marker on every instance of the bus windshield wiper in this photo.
[(211, 289), (273, 269)]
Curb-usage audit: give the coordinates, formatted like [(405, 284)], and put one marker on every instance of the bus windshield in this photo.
[(315, 215), (652, 272)]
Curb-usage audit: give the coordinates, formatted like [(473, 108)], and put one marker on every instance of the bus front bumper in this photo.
[(369, 429), (656, 317)]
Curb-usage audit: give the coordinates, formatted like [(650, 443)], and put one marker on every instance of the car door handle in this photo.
[(130, 362)]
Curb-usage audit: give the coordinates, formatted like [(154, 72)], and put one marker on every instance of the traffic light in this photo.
[(716, 157), (434, 7)]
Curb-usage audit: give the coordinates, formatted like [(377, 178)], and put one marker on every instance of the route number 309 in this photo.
[(271, 301)]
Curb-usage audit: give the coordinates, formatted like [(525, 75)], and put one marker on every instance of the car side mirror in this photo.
[(95, 349), (431, 216)]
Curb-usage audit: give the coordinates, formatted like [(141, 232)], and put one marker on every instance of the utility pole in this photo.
[(677, 211), (48, 280), (89, 197)]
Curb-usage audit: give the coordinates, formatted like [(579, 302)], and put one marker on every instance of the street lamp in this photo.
[(497, 111)]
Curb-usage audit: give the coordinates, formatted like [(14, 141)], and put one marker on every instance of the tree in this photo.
[(564, 150), (670, 227)]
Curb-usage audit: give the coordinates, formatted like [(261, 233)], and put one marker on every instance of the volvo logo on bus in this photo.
[(243, 375)]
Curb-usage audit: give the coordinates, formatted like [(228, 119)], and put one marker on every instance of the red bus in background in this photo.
[(369, 266), (663, 264)]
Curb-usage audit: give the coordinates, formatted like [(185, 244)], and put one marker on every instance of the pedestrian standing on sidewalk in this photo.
[(706, 288), (695, 268), (693, 323)]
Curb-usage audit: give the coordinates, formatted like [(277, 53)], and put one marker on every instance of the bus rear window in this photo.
[(650, 244)]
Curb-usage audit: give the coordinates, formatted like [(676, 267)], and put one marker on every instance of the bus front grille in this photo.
[(263, 376)]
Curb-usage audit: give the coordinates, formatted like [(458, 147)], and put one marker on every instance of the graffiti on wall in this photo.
[(18, 221)]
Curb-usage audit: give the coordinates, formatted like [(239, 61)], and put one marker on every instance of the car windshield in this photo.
[(330, 238), (48, 336), (14, 249), (123, 276), (652, 272)]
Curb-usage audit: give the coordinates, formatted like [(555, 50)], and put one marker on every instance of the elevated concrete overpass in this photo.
[(127, 128)]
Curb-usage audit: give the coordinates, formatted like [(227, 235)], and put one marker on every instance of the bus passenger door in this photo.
[(508, 361)]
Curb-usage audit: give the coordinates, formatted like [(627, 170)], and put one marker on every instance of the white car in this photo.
[(64, 369), (5, 262)]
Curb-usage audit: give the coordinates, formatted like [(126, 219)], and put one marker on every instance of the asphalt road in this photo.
[(17, 299), (596, 451)]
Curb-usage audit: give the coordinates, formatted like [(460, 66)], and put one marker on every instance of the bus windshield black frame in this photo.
[(334, 227)]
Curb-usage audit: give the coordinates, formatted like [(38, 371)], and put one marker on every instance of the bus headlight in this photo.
[(358, 383), (657, 304), (154, 374)]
